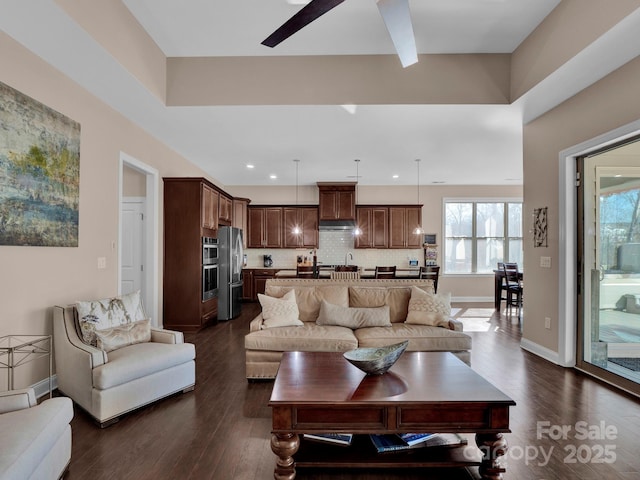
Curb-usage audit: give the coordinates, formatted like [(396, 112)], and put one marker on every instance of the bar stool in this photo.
[(385, 272), (431, 272)]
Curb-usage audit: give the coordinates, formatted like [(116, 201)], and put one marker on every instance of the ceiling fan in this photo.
[(395, 13)]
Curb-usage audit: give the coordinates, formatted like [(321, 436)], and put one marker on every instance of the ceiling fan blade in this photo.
[(304, 17), (397, 18)]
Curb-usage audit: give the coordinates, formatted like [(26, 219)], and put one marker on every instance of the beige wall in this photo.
[(606, 105), (460, 286), (33, 279)]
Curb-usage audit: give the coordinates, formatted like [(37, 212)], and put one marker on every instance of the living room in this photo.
[(603, 100)]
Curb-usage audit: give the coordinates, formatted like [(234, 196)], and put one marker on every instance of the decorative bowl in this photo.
[(376, 360)]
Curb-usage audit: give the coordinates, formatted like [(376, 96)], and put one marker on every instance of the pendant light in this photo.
[(357, 231), (418, 230), (296, 228)]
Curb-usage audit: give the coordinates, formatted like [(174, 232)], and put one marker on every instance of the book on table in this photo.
[(336, 438), (393, 443), (413, 438)]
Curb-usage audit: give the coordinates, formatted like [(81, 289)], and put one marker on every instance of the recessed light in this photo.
[(438, 181), (250, 166), (396, 176), (273, 177)]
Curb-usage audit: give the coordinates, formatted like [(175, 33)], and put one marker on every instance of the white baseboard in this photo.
[(41, 388), (541, 351)]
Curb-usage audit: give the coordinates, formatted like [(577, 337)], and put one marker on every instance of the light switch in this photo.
[(545, 262), (102, 263)]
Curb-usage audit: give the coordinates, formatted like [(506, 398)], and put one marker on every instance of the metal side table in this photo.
[(16, 350)]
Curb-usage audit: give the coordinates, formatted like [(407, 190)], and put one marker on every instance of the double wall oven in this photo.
[(210, 255)]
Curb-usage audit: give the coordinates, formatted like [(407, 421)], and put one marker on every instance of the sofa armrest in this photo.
[(160, 335), (17, 400), (455, 325), (256, 323)]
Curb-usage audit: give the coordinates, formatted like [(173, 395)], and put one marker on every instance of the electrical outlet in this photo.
[(547, 323), (545, 262), (102, 263)]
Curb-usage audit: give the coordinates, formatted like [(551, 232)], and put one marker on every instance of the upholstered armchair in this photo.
[(36, 439), (108, 382)]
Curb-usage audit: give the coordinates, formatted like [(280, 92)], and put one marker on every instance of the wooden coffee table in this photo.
[(423, 392)]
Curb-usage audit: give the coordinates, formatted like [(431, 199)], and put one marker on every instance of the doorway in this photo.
[(148, 230), (608, 334)]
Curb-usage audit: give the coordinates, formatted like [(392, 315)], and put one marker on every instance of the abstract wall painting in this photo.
[(540, 227), (39, 173)]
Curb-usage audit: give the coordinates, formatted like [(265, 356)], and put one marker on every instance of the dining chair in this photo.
[(346, 268), (385, 272), (431, 272), (515, 290)]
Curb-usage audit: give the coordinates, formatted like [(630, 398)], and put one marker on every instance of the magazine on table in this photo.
[(337, 438), (413, 438), (393, 443)]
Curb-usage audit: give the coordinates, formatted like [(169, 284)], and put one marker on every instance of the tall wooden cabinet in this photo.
[(240, 217), (264, 229), (337, 201), (190, 213), (402, 222), (374, 223), (307, 219)]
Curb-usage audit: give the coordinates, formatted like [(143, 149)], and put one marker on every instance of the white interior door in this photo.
[(132, 267)]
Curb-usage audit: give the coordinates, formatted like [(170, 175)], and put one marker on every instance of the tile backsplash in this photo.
[(334, 246)]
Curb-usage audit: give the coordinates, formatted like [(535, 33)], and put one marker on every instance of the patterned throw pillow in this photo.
[(111, 339), (428, 308), (108, 313), (280, 312)]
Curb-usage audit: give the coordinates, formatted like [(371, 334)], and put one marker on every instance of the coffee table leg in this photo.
[(493, 446), (284, 445)]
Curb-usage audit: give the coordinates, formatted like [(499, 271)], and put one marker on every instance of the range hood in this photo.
[(336, 225)]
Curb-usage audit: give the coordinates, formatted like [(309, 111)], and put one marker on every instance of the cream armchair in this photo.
[(108, 385), (36, 439)]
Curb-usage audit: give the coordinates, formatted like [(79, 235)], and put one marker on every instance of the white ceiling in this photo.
[(462, 144)]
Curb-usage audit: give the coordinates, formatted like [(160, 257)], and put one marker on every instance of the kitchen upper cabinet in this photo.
[(210, 200), (307, 219), (337, 201), (264, 227), (240, 217), (402, 222), (225, 210), (374, 223)]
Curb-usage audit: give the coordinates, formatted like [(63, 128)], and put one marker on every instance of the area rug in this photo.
[(628, 363)]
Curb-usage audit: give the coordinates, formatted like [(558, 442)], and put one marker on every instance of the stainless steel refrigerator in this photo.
[(230, 271)]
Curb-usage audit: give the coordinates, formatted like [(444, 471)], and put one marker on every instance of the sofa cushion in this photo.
[(309, 298), (113, 338), (279, 312), (352, 317), (108, 312), (396, 298), (428, 308), (34, 432), (136, 361), (422, 338), (309, 338)]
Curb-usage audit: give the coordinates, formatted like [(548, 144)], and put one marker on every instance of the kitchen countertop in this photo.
[(364, 273)]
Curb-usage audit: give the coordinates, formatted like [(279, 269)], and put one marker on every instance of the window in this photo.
[(479, 234)]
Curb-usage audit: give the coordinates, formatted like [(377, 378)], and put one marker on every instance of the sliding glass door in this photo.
[(609, 333)]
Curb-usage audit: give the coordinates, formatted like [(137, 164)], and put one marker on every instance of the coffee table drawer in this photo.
[(445, 419), (362, 418)]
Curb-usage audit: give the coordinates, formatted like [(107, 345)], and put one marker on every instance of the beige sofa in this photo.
[(35, 442), (264, 346)]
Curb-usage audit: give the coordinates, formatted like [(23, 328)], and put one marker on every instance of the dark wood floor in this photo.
[(221, 430)]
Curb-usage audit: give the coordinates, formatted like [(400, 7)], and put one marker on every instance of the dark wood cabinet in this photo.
[(209, 208), (374, 223), (188, 207), (307, 220), (240, 217), (264, 229), (259, 280), (225, 210), (402, 222), (247, 284), (337, 201)]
